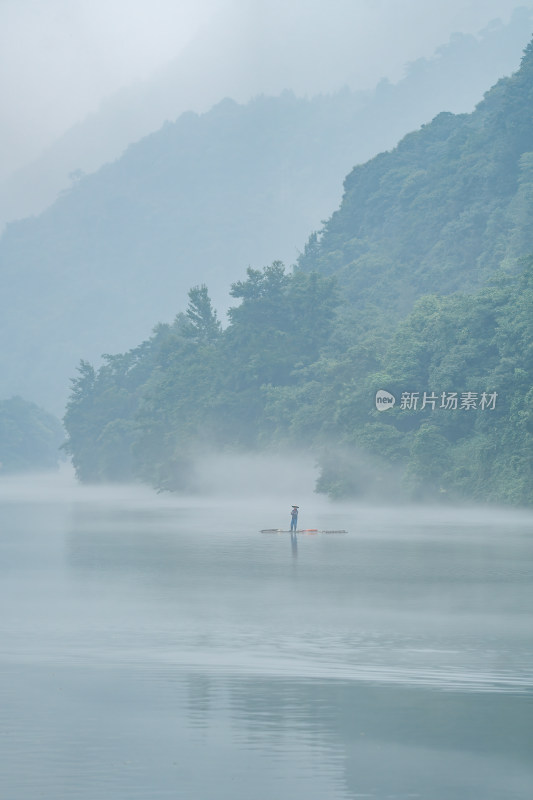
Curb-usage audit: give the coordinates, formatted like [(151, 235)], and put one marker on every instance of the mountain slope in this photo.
[(195, 202), (443, 210)]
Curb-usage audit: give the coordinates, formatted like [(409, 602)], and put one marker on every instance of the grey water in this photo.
[(161, 647)]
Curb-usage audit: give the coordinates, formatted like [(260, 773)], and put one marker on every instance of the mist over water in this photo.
[(145, 636)]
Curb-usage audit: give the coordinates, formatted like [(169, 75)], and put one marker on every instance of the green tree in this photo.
[(203, 325)]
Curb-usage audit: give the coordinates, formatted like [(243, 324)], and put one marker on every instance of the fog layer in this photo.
[(131, 66)]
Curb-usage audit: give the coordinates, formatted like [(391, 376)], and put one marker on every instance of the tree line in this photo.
[(298, 367)]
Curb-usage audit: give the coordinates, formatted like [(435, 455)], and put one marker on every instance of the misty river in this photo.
[(154, 646)]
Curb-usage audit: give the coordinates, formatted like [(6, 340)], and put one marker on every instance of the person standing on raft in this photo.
[(294, 518)]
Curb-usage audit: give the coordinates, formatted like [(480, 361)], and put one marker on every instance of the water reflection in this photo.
[(294, 545), (169, 651), (157, 732), (396, 742)]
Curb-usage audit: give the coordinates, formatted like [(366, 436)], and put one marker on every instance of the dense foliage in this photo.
[(194, 386), (442, 211), (461, 371), (291, 370), (420, 286), (30, 438)]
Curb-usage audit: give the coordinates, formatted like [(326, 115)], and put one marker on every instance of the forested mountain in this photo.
[(440, 212), (197, 202), (427, 400)]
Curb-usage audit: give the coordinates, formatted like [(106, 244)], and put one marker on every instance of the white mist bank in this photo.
[(262, 488)]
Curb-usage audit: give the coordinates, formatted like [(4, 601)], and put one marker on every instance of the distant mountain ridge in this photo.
[(195, 202), (452, 80)]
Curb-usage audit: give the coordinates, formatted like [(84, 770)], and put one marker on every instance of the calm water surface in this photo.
[(156, 647)]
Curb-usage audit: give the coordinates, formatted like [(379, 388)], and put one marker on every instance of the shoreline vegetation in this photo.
[(194, 387)]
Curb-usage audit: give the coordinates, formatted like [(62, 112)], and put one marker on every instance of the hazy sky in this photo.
[(60, 58)]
